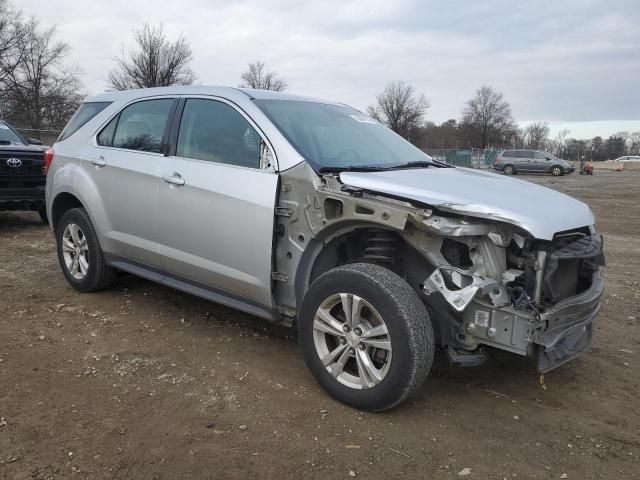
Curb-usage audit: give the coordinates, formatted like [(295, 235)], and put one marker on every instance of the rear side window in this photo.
[(138, 127), (215, 132), (526, 154), (85, 112)]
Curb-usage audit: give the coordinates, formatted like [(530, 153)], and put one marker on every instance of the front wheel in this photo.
[(366, 336), (557, 171)]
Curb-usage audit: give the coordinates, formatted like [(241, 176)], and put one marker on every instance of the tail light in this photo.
[(48, 158)]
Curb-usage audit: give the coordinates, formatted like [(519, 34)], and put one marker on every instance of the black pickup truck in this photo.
[(22, 175)]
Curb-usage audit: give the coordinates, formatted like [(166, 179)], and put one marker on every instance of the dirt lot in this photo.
[(142, 382)]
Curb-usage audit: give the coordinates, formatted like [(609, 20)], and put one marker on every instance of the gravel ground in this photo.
[(141, 382)]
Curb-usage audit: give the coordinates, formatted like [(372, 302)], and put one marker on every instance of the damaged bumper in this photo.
[(550, 339), (568, 327)]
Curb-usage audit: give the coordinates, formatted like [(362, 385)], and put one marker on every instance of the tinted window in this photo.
[(105, 137), (540, 156), (8, 136), (526, 154), (509, 153), (215, 132), (141, 125), (85, 112)]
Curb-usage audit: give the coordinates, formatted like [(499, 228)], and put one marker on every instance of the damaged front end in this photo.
[(510, 291), (525, 285)]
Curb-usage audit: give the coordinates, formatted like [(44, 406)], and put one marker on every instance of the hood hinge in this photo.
[(283, 212), (279, 277)]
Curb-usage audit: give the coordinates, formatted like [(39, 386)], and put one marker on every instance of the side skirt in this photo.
[(191, 287)]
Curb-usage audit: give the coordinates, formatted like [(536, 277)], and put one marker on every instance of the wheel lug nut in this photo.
[(362, 346), (352, 350), (358, 331), (343, 340), (346, 329)]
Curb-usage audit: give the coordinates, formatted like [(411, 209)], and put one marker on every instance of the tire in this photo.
[(557, 171), (400, 370), (509, 170), (93, 273), (42, 211)]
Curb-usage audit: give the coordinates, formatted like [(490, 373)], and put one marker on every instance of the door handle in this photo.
[(99, 162), (174, 179)]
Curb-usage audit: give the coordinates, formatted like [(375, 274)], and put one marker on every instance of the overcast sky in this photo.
[(569, 62)]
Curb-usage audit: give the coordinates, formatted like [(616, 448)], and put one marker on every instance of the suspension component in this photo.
[(380, 247)]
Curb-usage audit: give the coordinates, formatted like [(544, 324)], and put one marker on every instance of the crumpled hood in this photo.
[(539, 210)]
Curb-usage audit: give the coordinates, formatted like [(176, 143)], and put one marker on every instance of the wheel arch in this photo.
[(63, 202), (347, 243)]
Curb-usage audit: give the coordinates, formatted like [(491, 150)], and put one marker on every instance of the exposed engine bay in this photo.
[(486, 283)]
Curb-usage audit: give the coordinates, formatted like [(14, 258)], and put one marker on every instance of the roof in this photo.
[(226, 92)]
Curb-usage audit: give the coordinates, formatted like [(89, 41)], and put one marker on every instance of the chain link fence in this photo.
[(469, 157), (47, 137)]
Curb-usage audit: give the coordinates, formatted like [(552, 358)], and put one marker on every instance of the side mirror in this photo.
[(34, 141), (548, 158)]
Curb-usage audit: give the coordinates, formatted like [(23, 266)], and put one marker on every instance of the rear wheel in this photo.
[(366, 336), (509, 170), (557, 171), (79, 253)]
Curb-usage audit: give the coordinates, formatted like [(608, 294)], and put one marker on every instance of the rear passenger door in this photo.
[(217, 203), (124, 166)]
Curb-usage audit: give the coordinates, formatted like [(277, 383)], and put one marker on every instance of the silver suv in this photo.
[(531, 161), (310, 213)]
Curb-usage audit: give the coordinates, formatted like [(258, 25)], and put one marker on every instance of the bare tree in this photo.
[(490, 114), (260, 78), (156, 62), (399, 107), (559, 141), (10, 35), (536, 134), (634, 143), (37, 86)]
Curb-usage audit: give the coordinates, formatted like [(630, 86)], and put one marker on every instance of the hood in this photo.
[(15, 147), (539, 210)]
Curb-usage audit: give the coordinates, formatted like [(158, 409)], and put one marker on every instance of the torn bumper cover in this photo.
[(569, 326)]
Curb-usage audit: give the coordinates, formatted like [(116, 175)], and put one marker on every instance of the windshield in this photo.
[(8, 136), (339, 137)]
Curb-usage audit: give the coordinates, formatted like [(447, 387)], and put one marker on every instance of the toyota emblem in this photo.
[(14, 162)]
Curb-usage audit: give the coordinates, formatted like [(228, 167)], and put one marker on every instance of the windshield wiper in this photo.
[(351, 168)]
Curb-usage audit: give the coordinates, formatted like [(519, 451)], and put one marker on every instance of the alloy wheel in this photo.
[(352, 341), (75, 251)]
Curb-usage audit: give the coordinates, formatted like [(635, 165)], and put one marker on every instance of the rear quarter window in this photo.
[(85, 112)]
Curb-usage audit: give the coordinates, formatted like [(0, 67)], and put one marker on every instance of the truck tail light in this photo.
[(48, 158)]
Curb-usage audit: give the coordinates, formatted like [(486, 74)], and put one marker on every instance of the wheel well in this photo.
[(558, 166), (62, 203), (379, 246)]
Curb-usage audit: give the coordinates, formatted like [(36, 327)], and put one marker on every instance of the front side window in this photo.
[(540, 156), (339, 137), (215, 132), (509, 153), (528, 154), (139, 126)]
